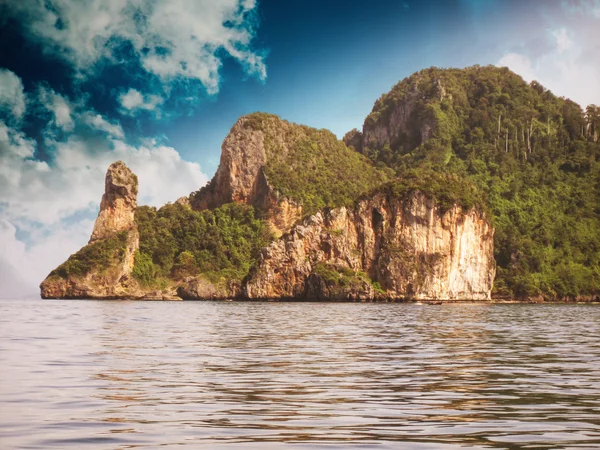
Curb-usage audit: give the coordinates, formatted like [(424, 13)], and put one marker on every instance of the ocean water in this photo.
[(121, 375)]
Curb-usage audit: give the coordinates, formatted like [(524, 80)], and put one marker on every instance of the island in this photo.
[(456, 187)]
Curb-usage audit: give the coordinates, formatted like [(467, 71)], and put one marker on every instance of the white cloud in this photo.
[(520, 64), (171, 38), (59, 106), (23, 267), (35, 191), (97, 122), (133, 100), (12, 96), (571, 68), (563, 42), (67, 115)]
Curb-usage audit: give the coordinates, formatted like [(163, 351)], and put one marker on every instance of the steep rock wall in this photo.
[(240, 177), (411, 248), (399, 119), (117, 208), (237, 177)]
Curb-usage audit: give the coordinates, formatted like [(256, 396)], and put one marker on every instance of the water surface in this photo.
[(119, 374)]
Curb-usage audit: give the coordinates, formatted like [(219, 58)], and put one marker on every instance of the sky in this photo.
[(159, 83)]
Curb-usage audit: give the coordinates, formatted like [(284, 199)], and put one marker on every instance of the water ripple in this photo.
[(142, 375)]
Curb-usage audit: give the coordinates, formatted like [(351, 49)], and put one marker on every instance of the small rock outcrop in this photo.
[(117, 208), (409, 249), (80, 278)]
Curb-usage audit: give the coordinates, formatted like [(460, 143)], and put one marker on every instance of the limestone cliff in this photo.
[(454, 146), (117, 208), (240, 176), (408, 247)]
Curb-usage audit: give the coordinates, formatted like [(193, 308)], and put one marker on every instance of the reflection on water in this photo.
[(149, 374)]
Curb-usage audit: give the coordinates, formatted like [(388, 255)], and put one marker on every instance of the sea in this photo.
[(267, 375)]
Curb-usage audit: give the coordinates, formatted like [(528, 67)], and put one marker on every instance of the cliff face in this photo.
[(400, 120), (285, 171), (410, 248), (395, 244), (448, 133), (240, 176), (237, 178)]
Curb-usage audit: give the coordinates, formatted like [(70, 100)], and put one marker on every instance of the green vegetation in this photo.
[(99, 256), (534, 157), (447, 189), (144, 270), (377, 287), (312, 166), (343, 277), (175, 242)]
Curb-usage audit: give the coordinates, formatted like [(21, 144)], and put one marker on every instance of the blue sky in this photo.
[(160, 83)]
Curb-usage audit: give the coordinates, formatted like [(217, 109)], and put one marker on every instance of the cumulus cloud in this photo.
[(97, 122), (12, 97), (563, 41), (170, 38), (23, 267), (570, 64), (520, 64), (133, 100), (67, 115), (59, 106)]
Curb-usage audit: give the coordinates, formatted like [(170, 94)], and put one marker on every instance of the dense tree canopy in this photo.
[(533, 155), (176, 241)]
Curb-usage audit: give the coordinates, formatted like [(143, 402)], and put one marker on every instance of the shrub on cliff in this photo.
[(342, 276), (447, 189), (144, 270), (98, 257)]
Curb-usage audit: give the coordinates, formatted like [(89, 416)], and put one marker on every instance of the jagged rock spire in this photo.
[(117, 209)]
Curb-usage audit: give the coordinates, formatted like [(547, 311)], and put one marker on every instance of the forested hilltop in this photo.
[(532, 155)]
